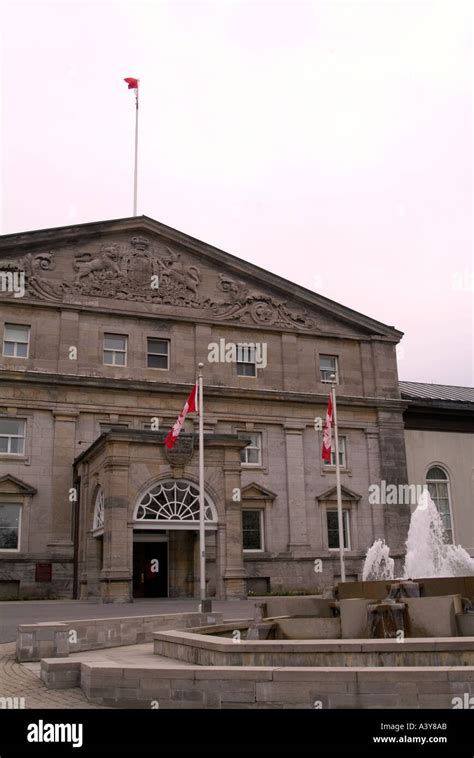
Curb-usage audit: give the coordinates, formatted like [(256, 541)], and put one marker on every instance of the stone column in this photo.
[(116, 574), (298, 542)]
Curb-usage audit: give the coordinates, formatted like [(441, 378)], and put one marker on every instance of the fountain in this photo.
[(428, 553), (378, 564)]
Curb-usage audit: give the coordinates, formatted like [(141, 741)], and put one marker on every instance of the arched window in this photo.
[(98, 522), (438, 487), (174, 502)]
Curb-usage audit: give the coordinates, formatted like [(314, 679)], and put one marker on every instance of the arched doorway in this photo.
[(165, 530)]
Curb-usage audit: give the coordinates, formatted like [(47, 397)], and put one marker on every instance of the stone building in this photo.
[(98, 356), (439, 438)]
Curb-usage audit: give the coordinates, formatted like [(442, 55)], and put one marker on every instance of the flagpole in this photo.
[(340, 522), (135, 177), (202, 533)]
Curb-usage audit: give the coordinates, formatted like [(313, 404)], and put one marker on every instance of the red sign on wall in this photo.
[(43, 572)]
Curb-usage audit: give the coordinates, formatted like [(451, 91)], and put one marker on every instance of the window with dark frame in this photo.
[(158, 353), (333, 529), (9, 526), (246, 360), (252, 531)]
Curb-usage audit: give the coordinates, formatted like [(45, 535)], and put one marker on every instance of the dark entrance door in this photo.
[(150, 569)]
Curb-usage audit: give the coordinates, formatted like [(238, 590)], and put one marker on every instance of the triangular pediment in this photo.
[(10, 485), (255, 491), (148, 267), (331, 494)]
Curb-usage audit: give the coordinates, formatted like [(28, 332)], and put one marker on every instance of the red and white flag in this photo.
[(190, 406), (133, 84), (326, 452)]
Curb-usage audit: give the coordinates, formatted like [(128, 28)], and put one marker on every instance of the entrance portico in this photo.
[(138, 517)]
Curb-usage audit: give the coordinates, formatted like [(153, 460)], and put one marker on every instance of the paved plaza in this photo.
[(22, 680)]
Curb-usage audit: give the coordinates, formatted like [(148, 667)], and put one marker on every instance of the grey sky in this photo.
[(330, 143)]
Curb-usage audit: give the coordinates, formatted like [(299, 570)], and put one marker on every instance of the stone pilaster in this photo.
[(62, 478), (290, 362), (116, 574), (393, 469), (68, 360), (234, 574), (296, 488)]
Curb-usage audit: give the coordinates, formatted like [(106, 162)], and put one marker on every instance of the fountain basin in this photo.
[(429, 587), (209, 650), (307, 628)]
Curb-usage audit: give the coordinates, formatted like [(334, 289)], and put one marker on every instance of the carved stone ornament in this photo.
[(182, 452), (141, 271), (138, 272), (246, 307)]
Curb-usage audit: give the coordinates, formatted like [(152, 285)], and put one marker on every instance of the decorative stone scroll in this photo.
[(246, 307)]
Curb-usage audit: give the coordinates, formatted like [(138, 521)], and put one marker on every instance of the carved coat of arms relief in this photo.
[(143, 271)]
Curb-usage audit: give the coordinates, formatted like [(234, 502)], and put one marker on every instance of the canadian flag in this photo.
[(326, 452), (190, 406), (132, 82)]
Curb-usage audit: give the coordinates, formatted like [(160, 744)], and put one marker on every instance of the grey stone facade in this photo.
[(87, 281)]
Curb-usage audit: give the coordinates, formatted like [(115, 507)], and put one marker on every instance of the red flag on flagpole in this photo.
[(326, 451), (132, 83), (190, 406)]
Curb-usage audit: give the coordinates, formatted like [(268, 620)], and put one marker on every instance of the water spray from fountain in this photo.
[(378, 564), (428, 554)]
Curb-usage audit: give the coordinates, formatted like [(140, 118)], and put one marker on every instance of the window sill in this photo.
[(255, 554)]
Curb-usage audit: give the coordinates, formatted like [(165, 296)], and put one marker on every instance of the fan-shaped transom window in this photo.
[(438, 487), (174, 502), (98, 522)]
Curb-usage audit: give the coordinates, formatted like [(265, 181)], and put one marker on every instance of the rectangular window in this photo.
[(327, 367), (252, 454), (9, 527), (333, 530), (12, 436), (342, 453), (16, 339), (252, 529), (246, 360), (158, 353), (115, 349)]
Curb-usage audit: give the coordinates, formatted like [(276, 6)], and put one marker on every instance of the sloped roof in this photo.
[(424, 391)]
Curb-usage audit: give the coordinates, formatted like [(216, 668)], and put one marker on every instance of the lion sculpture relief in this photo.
[(106, 260)]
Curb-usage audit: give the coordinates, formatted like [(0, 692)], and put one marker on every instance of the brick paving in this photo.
[(22, 680)]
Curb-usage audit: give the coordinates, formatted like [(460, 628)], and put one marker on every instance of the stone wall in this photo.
[(35, 641), (263, 687)]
